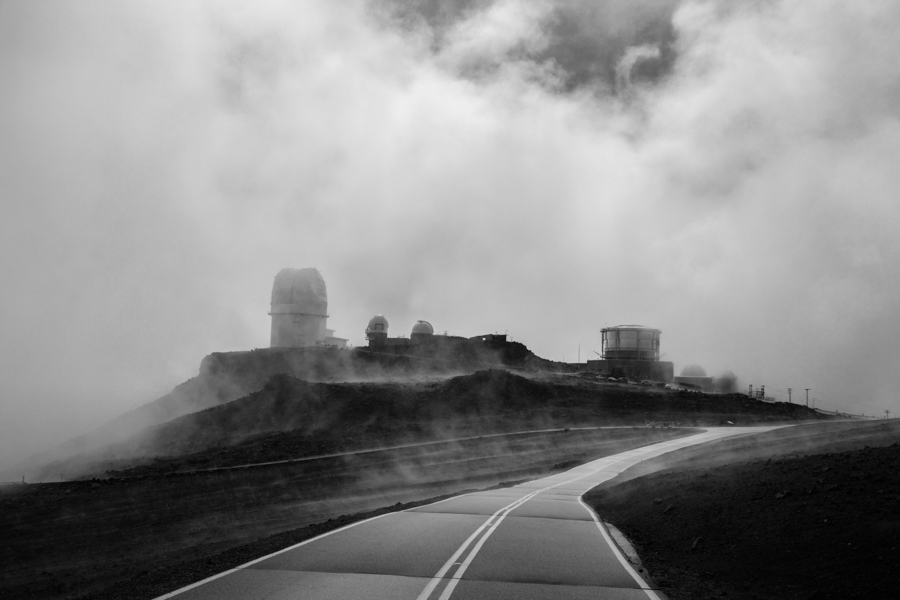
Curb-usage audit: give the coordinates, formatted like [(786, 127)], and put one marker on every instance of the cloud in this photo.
[(470, 164)]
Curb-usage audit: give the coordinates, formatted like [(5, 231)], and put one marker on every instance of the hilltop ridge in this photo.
[(226, 376)]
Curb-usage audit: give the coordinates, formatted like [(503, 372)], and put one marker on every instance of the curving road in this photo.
[(534, 540)]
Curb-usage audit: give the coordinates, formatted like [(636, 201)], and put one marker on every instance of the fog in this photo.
[(545, 168)]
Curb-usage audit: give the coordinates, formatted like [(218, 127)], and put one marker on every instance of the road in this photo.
[(534, 540)]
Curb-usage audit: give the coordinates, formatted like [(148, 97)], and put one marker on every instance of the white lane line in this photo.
[(439, 576), (630, 459), (262, 558), (618, 554), (318, 537), (454, 579), (303, 543)]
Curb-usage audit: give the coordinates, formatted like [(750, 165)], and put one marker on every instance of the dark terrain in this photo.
[(807, 523), (293, 418), (173, 492), (227, 376)]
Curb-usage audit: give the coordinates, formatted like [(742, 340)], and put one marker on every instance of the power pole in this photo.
[(789, 396), (807, 396)]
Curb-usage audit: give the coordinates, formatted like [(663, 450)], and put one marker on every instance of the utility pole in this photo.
[(789, 396), (750, 393), (807, 397)]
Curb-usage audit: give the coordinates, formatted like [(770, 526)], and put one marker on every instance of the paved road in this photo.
[(535, 540)]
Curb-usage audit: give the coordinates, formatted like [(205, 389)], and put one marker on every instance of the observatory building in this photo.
[(377, 330), (632, 351), (695, 376), (377, 333), (422, 331), (300, 309)]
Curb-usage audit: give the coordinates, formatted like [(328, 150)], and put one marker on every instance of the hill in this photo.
[(291, 418), (227, 376)]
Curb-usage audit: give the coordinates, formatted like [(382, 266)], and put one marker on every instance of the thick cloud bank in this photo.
[(728, 175)]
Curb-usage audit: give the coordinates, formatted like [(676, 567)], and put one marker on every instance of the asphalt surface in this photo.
[(534, 540)]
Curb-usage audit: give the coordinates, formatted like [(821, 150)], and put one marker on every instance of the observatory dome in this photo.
[(377, 323), (300, 291), (422, 328), (693, 371)]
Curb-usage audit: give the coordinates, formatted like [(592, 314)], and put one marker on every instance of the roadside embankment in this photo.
[(812, 521)]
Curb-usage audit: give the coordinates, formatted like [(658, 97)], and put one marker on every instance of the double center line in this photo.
[(487, 528)]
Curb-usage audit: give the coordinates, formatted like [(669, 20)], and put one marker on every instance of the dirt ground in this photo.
[(805, 524)]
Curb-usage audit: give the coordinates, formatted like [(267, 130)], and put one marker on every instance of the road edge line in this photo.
[(644, 586)]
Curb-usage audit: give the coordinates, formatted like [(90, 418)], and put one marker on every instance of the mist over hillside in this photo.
[(316, 401), (227, 376)]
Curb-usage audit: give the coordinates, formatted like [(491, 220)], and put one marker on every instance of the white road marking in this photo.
[(452, 561), (597, 466), (262, 558), (615, 548), (454, 579)]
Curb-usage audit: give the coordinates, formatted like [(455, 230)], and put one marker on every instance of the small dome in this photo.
[(377, 323), (727, 376), (422, 328), (693, 371)]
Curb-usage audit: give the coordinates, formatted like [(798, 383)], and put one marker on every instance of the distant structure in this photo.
[(299, 310), (726, 382), (632, 351), (694, 376), (490, 337), (377, 333), (422, 331)]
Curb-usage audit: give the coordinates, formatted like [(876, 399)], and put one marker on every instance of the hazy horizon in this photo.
[(538, 167)]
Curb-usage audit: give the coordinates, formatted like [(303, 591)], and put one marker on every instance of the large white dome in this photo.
[(300, 291)]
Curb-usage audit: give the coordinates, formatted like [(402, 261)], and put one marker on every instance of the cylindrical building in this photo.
[(299, 308), (630, 342)]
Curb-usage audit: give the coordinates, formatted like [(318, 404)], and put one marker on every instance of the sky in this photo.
[(725, 172)]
